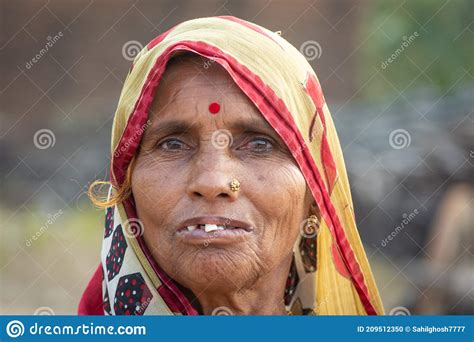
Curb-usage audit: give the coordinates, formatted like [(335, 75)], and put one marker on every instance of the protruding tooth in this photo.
[(191, 228), (210, 227), (220, 228)]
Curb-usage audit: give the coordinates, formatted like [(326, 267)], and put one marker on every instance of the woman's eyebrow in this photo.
[(255, 126), (174, 126), (182, 126), (246, 125)]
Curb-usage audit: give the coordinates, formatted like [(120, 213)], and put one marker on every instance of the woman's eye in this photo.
[(259, 145), (172, 144)]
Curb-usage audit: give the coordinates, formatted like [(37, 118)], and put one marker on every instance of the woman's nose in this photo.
[(211, 177)]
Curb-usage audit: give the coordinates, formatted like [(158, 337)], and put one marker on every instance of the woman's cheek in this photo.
[(285, 201), (277, 185), (156, 177)]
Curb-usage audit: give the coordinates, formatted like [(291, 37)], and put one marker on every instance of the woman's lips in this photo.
[(213, 230)]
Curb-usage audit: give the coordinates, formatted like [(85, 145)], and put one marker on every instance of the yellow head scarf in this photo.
[(330, 272)]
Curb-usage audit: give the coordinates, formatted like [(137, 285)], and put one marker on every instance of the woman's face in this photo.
[(184, 169)]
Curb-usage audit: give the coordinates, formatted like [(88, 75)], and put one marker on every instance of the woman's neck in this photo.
[(263, 297)]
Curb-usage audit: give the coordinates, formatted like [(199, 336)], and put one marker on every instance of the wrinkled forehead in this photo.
[(192, 84)]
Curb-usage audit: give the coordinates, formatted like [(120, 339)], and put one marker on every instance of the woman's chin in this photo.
[(212, 267)]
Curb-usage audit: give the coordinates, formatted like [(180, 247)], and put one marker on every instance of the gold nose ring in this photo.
[(235, 185)]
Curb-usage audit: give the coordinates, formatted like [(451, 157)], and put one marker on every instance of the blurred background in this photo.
[(397, 76)]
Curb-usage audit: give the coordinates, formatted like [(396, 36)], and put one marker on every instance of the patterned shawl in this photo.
[(330, 273)]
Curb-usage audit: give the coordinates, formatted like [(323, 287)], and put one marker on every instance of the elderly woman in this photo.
[(229, 193)]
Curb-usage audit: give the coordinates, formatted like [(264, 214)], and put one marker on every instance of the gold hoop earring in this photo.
[(311, 227), (313, 219)]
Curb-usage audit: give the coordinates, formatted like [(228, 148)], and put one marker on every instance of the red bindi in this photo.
[(214, 108)]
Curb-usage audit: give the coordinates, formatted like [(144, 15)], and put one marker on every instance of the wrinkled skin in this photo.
[(180, 174)]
